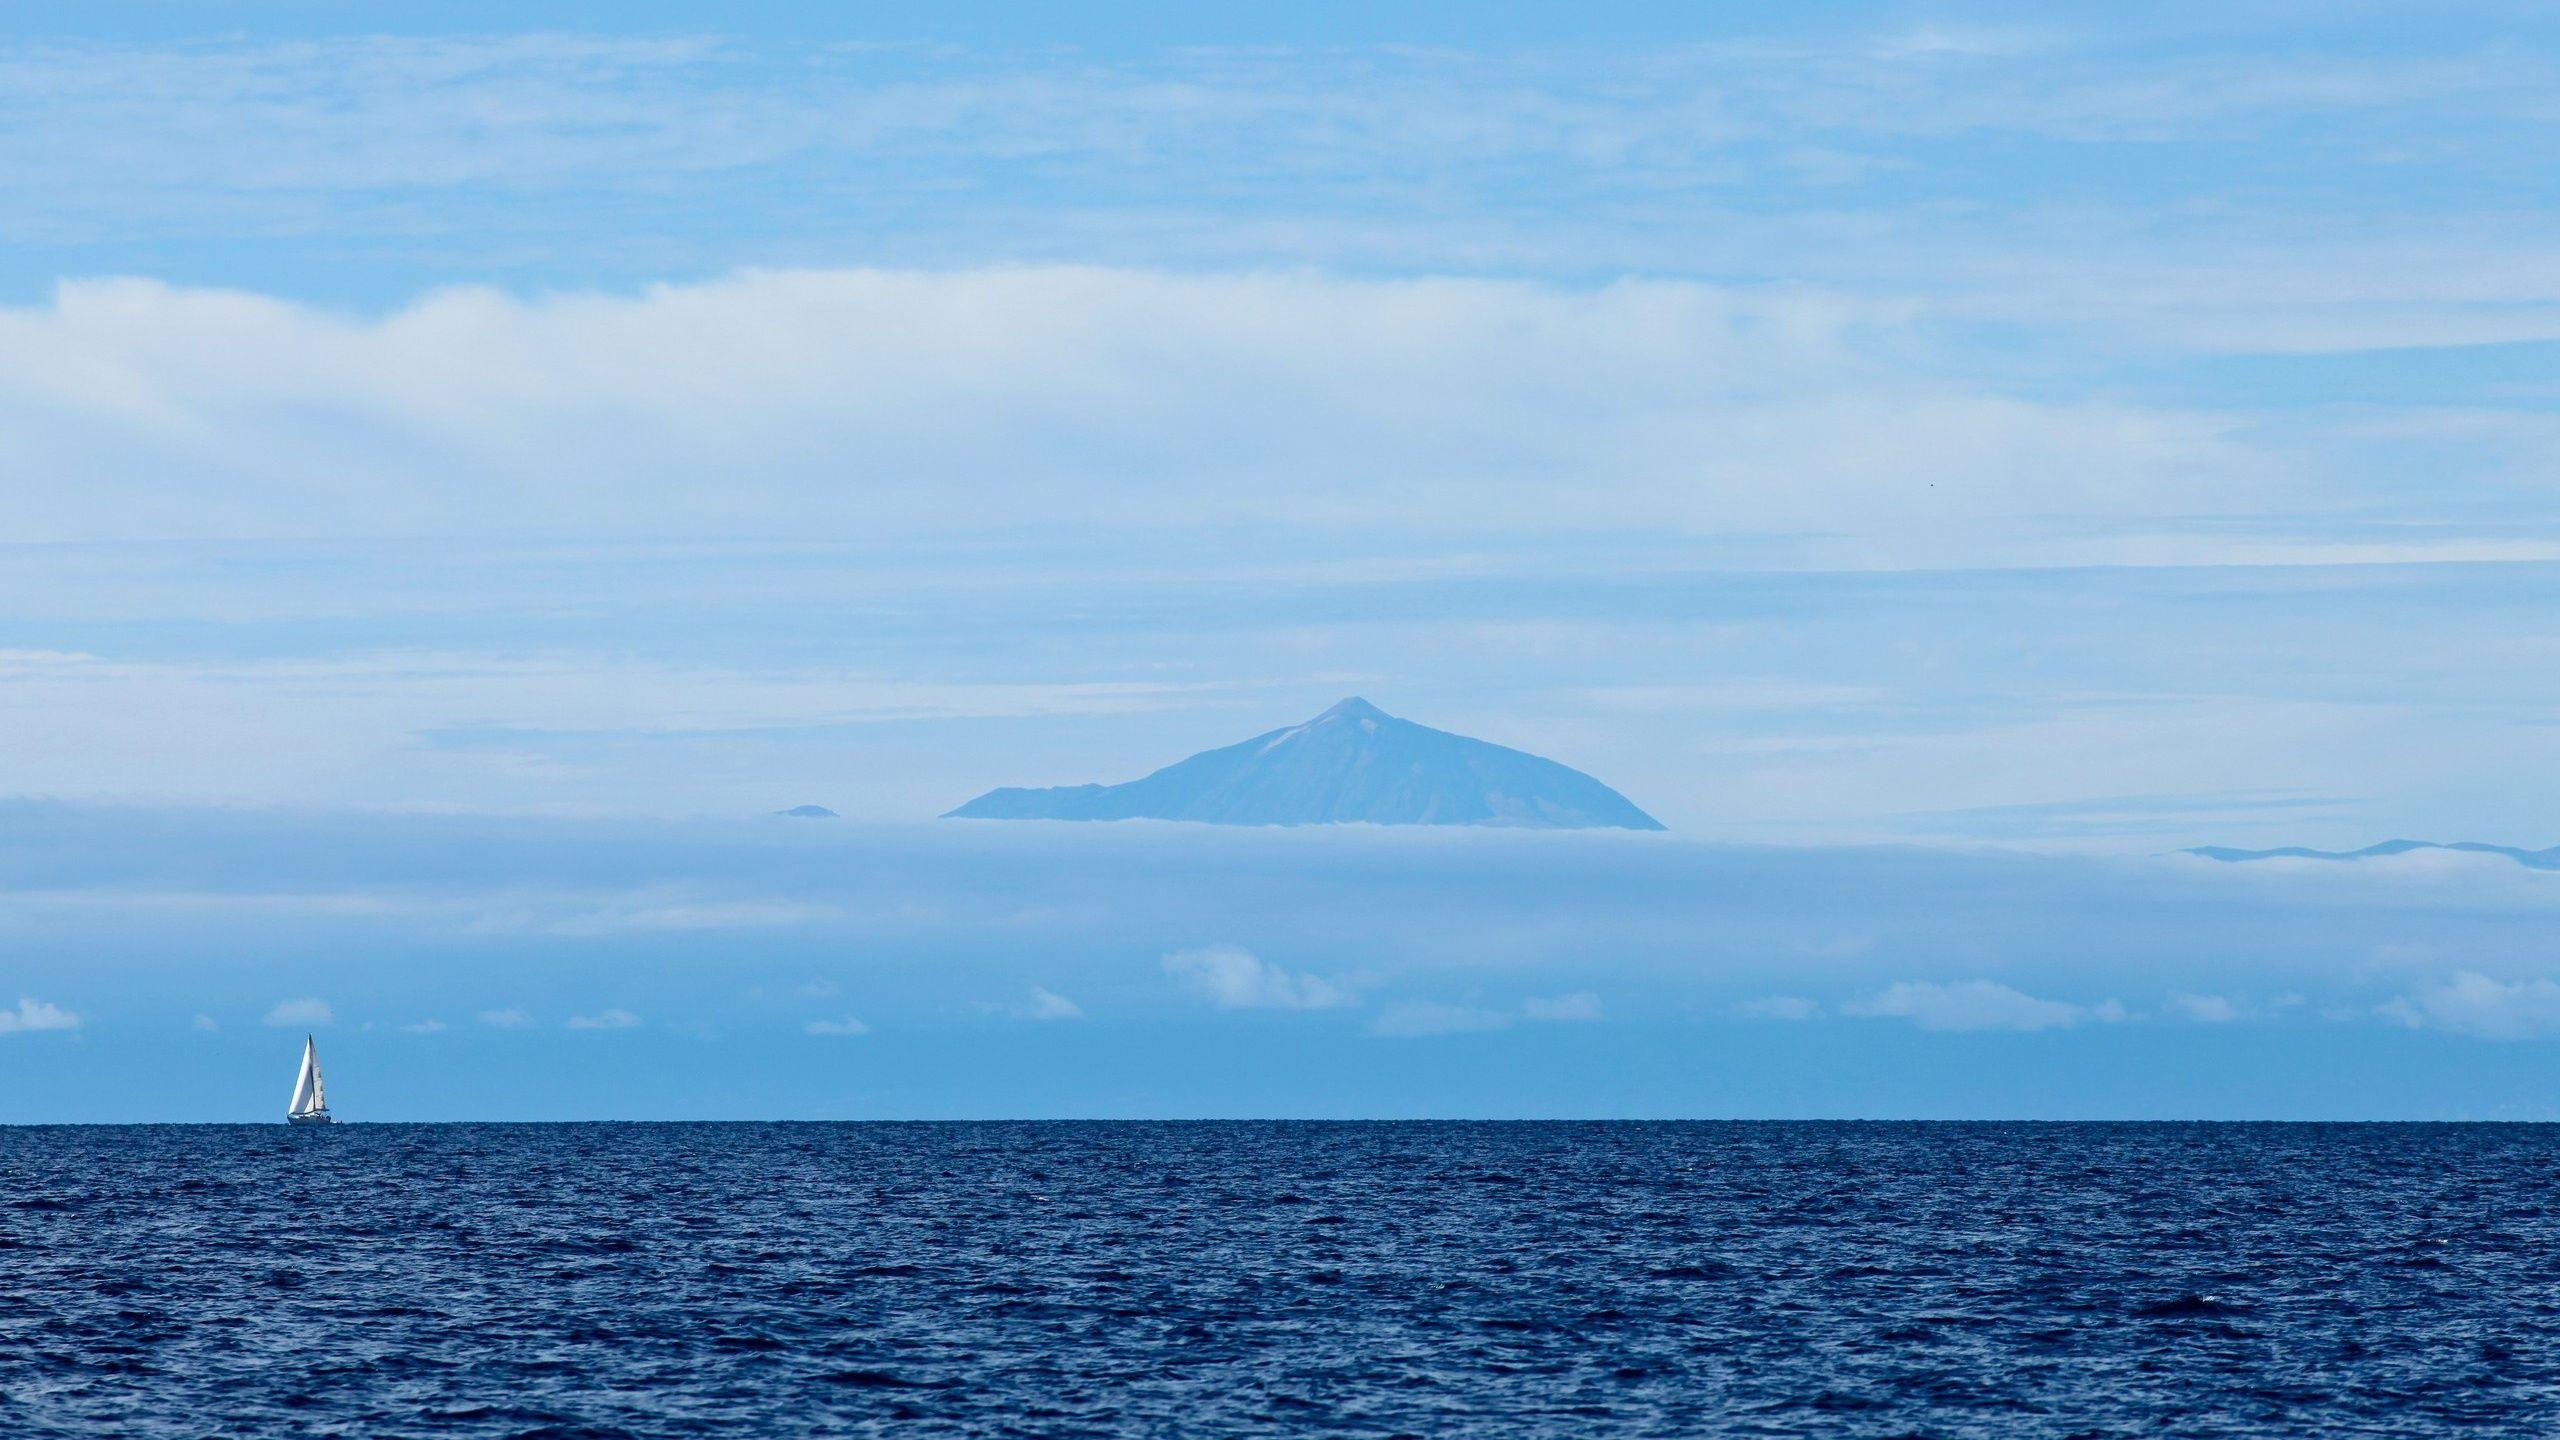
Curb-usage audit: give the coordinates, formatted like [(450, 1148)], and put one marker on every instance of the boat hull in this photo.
[(320, 1118)]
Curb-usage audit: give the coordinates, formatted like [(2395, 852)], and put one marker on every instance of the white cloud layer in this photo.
[(612, 1019), (2205, 1009), (1803, 142), (33, 1014), (305, 1011), (1046, 1004), (1405, 1018), (1977, 1005), (1581, 1005), (546, 110), (1408, 1018), (846, 1026), (1233, 978), (853, 403), (2470, 1003)]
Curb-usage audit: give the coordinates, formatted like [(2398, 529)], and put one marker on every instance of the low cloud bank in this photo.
[(1977, 1005)]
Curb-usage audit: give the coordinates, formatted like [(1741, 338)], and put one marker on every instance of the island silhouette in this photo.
[(1353, 764)]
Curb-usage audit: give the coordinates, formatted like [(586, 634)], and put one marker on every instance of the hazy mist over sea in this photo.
[(462, 966)]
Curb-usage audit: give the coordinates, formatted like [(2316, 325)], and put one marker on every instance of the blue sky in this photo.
[(2041, 436)]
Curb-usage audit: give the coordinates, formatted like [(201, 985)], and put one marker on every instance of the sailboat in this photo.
[(310, 1106)]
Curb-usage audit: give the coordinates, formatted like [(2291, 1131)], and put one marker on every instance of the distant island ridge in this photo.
[(2531, 859), (1353, 764)]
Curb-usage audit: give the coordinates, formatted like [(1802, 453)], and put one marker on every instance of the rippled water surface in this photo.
[(1416, 1279)]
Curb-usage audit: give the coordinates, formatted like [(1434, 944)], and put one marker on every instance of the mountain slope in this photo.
[(1353, 763)]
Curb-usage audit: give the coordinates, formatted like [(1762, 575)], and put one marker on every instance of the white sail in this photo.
[(307, 1096)]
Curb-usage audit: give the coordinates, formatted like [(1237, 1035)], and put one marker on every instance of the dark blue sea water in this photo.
[(1280, 1279)]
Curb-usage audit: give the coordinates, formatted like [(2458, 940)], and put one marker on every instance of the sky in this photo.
[(463, 466)]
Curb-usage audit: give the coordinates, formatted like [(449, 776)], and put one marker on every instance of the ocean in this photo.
[(1206, 1279)]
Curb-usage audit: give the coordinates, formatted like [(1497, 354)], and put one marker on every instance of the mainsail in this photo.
[(307, 1096)]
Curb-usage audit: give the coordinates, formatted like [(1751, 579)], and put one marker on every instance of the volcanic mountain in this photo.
[(1354, 763)]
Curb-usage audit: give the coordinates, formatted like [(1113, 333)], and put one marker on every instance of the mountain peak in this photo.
[(1376, 770)]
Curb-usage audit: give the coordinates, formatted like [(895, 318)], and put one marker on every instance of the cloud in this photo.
[(139, 132), (424, 1027), (1592, 159), (303, 1012), (207, 1023), (1233, 978), (1582, 1005), (1965, 41), (1977, 1005), (1432, 1017), (1047, 1004), (846, 1026), (474, 118), (574, 915), (1428, 1017), (33, 1014), (2205, 1009), (2473, 1004), (506, 1019), (1087, 396), (1779, 1007), (605, 1020)]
